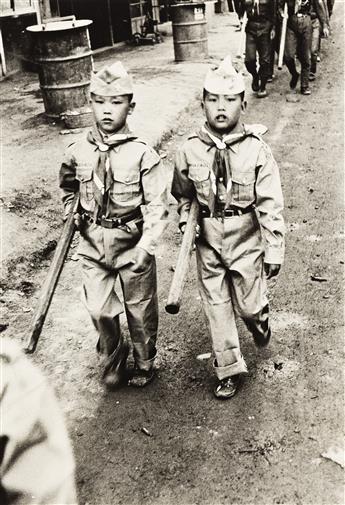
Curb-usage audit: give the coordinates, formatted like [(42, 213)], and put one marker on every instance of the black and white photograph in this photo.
[(172, 252)]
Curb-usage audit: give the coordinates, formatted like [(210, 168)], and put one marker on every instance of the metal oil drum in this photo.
[(189, 31), (63, 56)]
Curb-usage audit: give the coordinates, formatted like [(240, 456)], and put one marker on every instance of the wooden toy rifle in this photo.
[(283, 37), (52, 278), (175, 293)]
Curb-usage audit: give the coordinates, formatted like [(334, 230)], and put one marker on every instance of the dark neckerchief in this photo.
[(102, 174), (221, 168)]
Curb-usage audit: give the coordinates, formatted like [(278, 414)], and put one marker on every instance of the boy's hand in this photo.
[(325, 32), (197, 230), (141, 260), (78, 221), (271, 270)]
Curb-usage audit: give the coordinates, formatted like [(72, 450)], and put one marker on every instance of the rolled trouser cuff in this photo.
[(115, 363), (145, 364), (223, 372)]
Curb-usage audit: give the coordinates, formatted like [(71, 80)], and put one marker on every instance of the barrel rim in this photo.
[(59, 26), (187, 4)]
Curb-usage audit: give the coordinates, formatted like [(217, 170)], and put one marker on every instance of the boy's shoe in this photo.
[(227, 388), (294, 80), (305, 91), (262, 93), (141, 378), (312, 77), (260, 339), (318, 59), (255, 83)]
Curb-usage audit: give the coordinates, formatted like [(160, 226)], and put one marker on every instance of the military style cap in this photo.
[(224, 80), (112, 80)]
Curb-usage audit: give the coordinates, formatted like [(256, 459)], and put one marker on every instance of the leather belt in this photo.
[(114, 222), (205, 212)]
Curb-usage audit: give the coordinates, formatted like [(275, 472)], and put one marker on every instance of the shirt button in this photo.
[(221, 198), (221, 179)]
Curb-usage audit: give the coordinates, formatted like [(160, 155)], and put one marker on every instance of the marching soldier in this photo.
[(260, 32), (299, 37), (123, 203)]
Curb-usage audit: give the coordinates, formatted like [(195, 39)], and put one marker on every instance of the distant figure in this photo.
[(299, 38), (260, 33), (36, 459)]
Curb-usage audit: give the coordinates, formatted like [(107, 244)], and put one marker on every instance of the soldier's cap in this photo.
[(224, 79), (112, 80)]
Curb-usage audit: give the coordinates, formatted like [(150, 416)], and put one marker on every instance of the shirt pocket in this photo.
[(200, 176), (243, 187), (84, 176), (126, 187)]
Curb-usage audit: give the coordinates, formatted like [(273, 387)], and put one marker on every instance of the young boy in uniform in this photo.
[(233, 175), (123, 203)]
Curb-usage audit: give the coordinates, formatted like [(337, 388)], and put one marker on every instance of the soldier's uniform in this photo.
[(299, 37), (241, 227), (131, 214), (36, 460), (261, 19)]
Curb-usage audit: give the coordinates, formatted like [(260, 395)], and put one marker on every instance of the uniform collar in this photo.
[(225, 141)]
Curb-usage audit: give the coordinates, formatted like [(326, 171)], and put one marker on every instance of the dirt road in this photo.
[(264, 446)]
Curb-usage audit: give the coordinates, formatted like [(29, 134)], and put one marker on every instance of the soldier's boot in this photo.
[(312, 73), (262, 93), (290, 63), (251, 67)]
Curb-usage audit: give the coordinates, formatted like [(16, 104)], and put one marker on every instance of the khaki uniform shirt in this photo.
[(36, 460), (255, 181), (140, 180)]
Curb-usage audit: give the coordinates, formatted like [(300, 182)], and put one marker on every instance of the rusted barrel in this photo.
[(189, 31), (63, 55)]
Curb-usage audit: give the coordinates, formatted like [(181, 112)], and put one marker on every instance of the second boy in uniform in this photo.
[(233, 175)]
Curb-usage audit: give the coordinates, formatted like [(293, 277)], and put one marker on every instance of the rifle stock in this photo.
[(176, 289), (282, 38), (52, 278)]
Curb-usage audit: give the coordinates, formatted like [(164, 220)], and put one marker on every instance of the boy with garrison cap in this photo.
[(123, 204), (231, 171)]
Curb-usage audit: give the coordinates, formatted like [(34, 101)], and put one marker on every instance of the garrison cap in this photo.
[(224, 80), (112, 80)]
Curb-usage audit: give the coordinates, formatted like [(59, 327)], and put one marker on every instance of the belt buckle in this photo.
[(230, 213), (106, 223)]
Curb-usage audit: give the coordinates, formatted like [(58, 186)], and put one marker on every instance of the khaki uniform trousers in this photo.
[(106, 254), (231, 281)]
